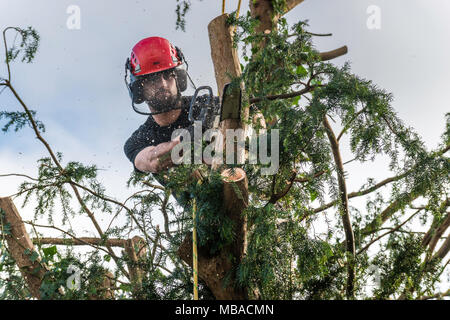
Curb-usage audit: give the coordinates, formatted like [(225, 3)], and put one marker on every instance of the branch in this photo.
[(329, 55), (66, 233), (152, 185), (291, 4), (319, 34), (436, 295), (385, 234), (307, 179), (434, 234), (165, 215), (6, 53), (18, 175), (442, 252), (82, 241), (130, 212), (285, 95), (277, 196), (349, 236), (388, 212), (55, 160), (363, 192), (347, 125)]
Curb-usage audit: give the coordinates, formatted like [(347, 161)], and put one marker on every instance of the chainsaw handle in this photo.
[(194, 98)]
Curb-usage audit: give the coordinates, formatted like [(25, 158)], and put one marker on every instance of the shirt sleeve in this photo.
[(138, 141)]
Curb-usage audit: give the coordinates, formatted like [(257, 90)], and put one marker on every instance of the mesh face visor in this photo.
[(160, 99)]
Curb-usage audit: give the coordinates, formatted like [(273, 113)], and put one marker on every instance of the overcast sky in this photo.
[(76, 81)]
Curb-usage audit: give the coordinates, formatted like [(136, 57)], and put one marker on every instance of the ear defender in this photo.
[(181, 73), (181, 78)]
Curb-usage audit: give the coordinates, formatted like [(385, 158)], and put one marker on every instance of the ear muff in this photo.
[(180, 72), (181, 75)]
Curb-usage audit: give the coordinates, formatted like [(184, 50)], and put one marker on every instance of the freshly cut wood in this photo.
[(20, 247), (235, 200), (224, 56), (226, 66)]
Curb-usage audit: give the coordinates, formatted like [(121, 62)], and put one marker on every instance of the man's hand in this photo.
[(156, 158)]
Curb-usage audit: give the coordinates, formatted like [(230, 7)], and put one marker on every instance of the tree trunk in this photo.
[(214, 270)]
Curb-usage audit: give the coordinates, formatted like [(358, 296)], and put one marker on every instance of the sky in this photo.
[(76, 81)]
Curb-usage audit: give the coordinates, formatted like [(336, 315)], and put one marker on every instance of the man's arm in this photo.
[(155, 158)]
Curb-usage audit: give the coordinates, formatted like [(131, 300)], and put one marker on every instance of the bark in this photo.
[(329, 55), (349, 236), (439, 232), (442, 252), (263, 10), (21, 248), (224, 56), (104, 288), (226, 66), (435, 232), (135, 249), (82, 241)]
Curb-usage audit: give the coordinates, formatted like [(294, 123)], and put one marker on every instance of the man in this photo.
[(158, 77)]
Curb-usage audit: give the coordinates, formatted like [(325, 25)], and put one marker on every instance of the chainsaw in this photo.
[(211, 112), (208, 112)]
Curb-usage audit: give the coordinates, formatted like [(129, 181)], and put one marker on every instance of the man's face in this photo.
[(160, 90)]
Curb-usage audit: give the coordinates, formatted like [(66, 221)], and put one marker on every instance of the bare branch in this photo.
[(285, 95), (18, 175), (329, 55), (81, 241), (66, 233), (349, 235)]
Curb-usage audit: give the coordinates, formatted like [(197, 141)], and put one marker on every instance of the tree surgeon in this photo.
[(158, 76)]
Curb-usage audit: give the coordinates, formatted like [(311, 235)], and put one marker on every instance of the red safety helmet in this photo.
[(149, 56)]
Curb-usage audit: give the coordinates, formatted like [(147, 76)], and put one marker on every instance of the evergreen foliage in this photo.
[(286, 258)]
